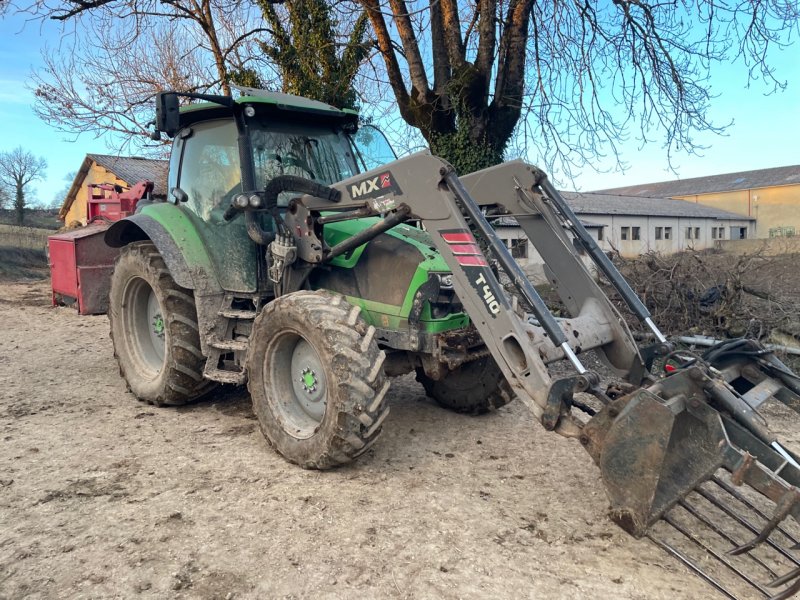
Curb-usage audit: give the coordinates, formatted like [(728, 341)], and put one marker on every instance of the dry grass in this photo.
[(32, 238), (22, 252)]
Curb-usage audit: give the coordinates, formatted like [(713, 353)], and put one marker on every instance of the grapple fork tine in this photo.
[(793, 574), (692, 566), (733, 492), (782, 510), (745, 523), (720, 532), (711, 552), (788, 592)]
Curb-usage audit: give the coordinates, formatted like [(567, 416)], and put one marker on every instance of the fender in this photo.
[(188, 263)]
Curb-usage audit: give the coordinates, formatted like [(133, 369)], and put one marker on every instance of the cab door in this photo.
[(205, 166)]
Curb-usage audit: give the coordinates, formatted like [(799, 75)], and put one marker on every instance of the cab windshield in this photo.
[(205, 160), (315, 153)]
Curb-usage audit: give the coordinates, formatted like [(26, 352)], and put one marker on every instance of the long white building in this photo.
[(633, 226)]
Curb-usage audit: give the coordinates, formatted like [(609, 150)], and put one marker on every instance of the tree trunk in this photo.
[(19, 205)]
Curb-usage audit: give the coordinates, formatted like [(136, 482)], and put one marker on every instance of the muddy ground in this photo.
[(101, 496)]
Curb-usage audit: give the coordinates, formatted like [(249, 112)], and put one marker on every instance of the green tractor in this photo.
[(296, 254), (211, 287)]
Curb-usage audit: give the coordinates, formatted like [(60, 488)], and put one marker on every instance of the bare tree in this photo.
[(574, 76), (5, 197), (18, 168), (104, 78), (108, 85)]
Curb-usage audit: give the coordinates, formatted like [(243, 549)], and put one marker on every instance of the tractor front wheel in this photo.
[(316, 379), (154, 329), (475, 387)]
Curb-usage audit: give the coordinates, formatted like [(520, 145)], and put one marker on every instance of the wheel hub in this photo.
[(145, 326), (158, 325), (309, 380)]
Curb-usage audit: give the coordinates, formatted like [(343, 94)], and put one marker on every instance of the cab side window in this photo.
[(210, 173)]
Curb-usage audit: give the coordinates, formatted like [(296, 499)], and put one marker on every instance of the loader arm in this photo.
[(426, 188), (657, 444)]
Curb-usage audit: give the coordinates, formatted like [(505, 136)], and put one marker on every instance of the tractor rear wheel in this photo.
[(154, 329), (316, 379), (475, 387)]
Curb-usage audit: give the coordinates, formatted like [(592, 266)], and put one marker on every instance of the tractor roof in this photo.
[(272, 101)]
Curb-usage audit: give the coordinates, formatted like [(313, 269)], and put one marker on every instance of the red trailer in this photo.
[(80, 262)]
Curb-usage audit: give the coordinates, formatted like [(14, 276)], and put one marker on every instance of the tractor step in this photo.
[(229, 345), (234, 313), (223, 376)]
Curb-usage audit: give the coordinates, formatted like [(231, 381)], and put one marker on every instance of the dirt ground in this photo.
[(101, 496)]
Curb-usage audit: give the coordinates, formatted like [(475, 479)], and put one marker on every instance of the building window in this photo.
[(667, 233), (688, 233), (659, 233), (713, 233), (697, 233), (519, 248), (624, 233), (787, 231), (600, 234), (636, 233)]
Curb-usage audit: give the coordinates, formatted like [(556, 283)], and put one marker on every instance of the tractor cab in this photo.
[(224, 148)]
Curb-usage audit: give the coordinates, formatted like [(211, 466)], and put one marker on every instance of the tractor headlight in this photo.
[(241, 201), (255, 201)]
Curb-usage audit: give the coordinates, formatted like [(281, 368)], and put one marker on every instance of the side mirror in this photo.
[(179, 195), (167, 113)]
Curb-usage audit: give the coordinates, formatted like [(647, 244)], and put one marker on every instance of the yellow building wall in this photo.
[(97, 174), (772, 207)]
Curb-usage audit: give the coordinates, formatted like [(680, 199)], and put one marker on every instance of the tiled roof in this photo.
[(590, 203), (133, 169), (594, 203), (128, 168), (744, 180), (504, 221)]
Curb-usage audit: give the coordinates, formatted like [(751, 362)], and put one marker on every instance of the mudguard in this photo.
[(190, 267)]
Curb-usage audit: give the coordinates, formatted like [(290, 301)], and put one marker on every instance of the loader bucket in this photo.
[(671, 462), (653, 454)]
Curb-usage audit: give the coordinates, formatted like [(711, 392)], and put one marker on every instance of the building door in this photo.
[(738, 233)]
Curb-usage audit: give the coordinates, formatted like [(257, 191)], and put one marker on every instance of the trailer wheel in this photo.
[(154, 330), (475, 387), (315, 375)]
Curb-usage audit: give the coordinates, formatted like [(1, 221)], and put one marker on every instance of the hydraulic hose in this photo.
[(276, 186), (292, 183)]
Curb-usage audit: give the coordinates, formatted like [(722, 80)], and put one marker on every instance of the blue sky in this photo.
[(765, 131)]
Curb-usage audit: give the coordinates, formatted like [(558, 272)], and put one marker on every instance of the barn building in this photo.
[(769, 196), (633, 226), (99, 169)]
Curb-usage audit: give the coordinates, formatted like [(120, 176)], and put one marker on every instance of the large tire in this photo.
[(154, 330), (475, 387), (316, 379)]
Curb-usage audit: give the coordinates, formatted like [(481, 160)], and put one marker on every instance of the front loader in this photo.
[(285, 261)]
